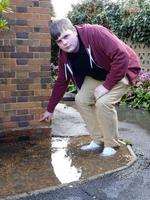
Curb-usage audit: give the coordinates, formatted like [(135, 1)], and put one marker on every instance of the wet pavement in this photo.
[(40, 163), (134, 116), (36, 164)]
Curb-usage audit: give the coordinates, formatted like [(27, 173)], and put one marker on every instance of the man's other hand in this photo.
[(47, 116), (100, 91)]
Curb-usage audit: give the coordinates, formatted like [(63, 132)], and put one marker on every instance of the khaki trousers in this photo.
[(100, 116)]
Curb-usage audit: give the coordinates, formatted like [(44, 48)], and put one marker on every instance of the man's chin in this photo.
[(69, 50)]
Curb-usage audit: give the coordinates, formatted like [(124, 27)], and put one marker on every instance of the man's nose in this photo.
[(64, 42)]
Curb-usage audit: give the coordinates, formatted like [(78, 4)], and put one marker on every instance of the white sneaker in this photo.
[(92, 146), (108, 151)]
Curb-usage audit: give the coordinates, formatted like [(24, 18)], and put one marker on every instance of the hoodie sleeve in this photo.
[(59, 88), (115, 51)]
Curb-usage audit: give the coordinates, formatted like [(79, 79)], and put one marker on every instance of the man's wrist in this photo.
[(51, 113), (100, 91)]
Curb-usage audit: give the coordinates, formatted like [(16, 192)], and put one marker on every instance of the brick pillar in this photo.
[(24, 64)]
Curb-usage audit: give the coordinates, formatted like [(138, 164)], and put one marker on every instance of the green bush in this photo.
[(4, 9), (54, 52), (87, 12), (126, 18), (139, 95)]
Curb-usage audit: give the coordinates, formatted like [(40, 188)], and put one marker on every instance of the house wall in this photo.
[(24, 64)]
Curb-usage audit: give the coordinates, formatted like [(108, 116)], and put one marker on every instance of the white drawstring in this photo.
[(89, 53), (91, 59), (70, 70), (65, 71)]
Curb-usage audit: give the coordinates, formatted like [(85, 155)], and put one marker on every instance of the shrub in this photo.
[(126, 18), (139, 95), (53, 73)]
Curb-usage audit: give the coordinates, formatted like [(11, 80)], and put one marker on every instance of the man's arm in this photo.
[(46, 116), (115, 51), (100, 91), (58, 91)]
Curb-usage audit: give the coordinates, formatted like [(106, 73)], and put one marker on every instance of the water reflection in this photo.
[(62, 163), (21, 169)]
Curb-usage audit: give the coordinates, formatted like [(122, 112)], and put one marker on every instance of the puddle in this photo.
[(37, 161), (35, 164)]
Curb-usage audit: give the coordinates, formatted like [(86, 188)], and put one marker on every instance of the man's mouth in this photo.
[(67, 47)]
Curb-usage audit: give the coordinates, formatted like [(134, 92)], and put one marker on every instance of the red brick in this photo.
[(22, 74), (45, 17), (34, 74), (9, 125), (4, 87), (22, 87), (6, 74), (24, 16), (22, 93), (22, 112), (39, 49), (21, 2), (8, 100), (38, 10), (22, 48), (25, 28)]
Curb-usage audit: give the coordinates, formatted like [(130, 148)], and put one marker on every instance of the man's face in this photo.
[(68, 41)]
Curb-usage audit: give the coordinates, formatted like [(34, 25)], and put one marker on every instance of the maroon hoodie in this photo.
[(106, 51)]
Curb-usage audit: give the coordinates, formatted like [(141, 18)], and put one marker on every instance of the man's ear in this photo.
[(52, 19), (75, 32)]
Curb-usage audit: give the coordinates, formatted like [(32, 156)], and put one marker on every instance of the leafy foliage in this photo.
[(4, 9), (87, 12), (126, 18), (53, 73), (72, 88), (139, 95), (54, 52)]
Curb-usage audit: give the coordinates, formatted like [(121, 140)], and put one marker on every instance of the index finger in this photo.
[(41, 119)]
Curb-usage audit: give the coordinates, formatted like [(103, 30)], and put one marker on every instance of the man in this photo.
[(102, 68)]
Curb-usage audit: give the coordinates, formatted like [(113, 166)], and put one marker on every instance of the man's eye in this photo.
[(66, 36)]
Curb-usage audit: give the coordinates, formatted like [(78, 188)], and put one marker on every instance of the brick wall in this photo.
[(24, 64)]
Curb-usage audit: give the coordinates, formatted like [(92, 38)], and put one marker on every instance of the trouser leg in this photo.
[(86, 106), (107, 115)]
